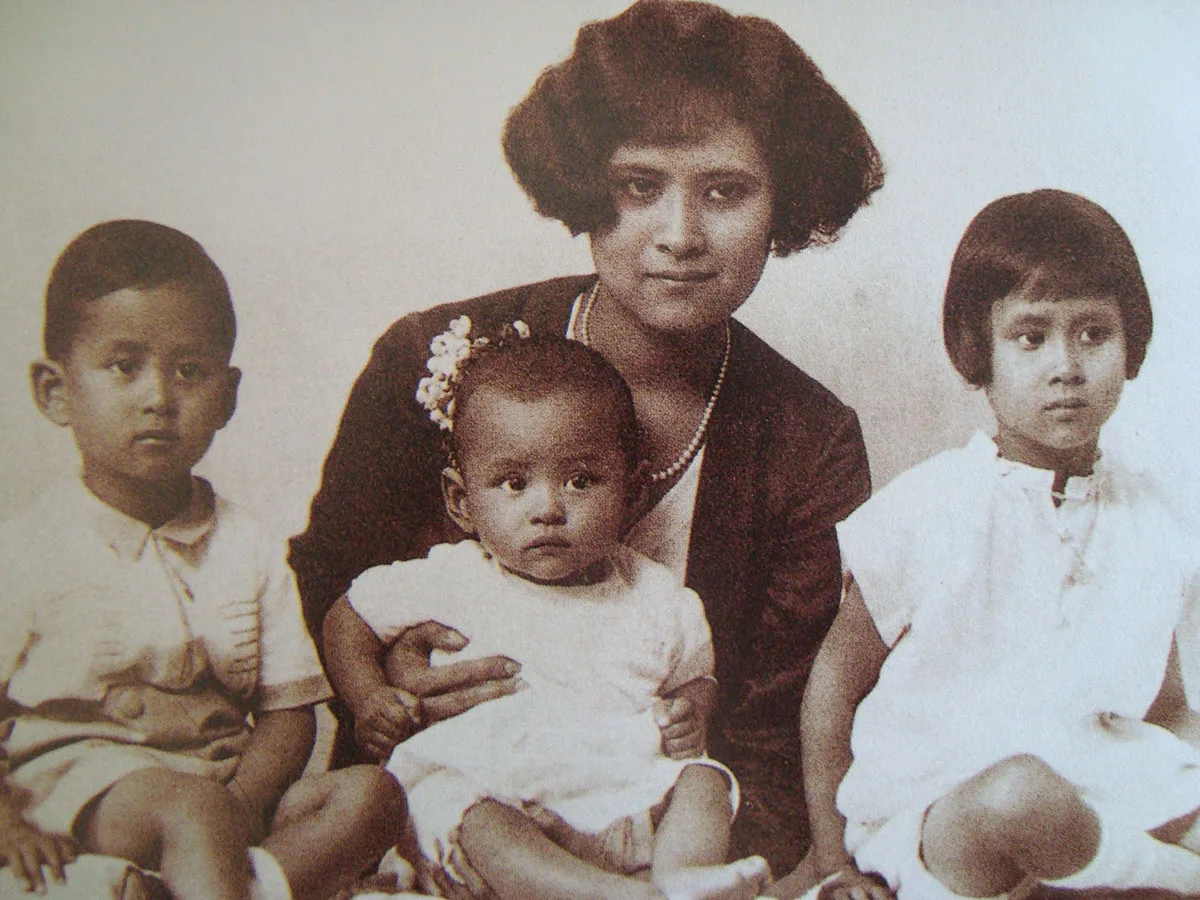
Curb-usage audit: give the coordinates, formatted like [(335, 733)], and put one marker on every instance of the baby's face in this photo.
[(1058, 367), (547, 485), (146, 386)]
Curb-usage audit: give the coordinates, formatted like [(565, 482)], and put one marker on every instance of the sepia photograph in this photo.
[(657, 449)]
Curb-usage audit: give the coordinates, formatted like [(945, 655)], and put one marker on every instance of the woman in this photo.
[(688, 144)]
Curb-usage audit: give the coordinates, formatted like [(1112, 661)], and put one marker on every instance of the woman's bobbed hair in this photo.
[(1044, 245), (657, 72)]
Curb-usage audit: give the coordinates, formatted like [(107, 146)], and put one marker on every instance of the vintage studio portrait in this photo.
[(641, 449)]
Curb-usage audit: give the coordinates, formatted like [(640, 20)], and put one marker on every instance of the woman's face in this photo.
[(692, 228)]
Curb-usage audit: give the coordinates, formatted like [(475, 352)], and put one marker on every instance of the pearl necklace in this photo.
[(684, 459)]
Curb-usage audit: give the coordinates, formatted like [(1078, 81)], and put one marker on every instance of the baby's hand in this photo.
[(25, 849), (387, 717), (682, 727)]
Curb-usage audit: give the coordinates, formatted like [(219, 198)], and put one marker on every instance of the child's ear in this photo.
[(454, 490), (233, 377), (49, 383)]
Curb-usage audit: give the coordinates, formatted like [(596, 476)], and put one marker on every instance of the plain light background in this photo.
[(341, 163)]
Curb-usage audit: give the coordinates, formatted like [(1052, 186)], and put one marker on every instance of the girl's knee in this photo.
[(1023, 791)]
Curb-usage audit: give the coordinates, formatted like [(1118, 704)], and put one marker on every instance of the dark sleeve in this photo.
[(810, 472), (798, 569), (380, 497)]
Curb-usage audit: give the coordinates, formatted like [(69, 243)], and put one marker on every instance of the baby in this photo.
[(545, 476), (145, 618)]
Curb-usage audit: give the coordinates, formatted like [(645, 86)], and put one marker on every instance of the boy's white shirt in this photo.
[(78, 571), (1011, 622)]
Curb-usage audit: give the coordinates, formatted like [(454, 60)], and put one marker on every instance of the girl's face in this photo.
[(544, 484), (692, 229), (1058, 367)]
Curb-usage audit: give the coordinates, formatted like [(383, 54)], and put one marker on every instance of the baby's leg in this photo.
[(1019, 818), (692, 840), (330, 827), (516, 859), (186, 827)]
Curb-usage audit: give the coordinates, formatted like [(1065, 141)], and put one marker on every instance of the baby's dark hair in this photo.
[(540, 366), (659, 72), (123, 254), (1045, 245)]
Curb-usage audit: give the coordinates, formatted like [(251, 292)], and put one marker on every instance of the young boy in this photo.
[(1014, 608), (546, 477), (145, 618)]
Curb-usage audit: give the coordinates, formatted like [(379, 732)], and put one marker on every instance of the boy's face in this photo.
[(1058, 367), (546, 486), (144, 387)]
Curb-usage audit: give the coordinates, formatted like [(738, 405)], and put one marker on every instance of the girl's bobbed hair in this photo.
[(1044, 245), (660, 72)]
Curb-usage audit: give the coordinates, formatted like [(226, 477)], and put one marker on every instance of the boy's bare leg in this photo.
[(186, 827), (692, 841), (329, 828), (1017, 818)]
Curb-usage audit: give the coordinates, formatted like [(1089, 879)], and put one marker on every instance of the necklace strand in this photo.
[(684, 459)]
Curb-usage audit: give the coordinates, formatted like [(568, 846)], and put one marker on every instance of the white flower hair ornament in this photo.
[(451, 349)]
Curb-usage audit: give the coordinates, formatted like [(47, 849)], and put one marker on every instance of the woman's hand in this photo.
[(682, 718), (445, 691), (25, 849)]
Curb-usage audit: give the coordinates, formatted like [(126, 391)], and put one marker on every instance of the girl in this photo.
[(1013, 608), (545, 475)]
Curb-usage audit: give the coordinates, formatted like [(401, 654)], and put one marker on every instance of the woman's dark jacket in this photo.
[(784, 461)]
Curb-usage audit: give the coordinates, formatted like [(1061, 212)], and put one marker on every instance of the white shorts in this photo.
[(1126, 770)]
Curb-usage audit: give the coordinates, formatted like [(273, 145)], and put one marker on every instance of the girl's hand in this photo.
[(25, 849), (446, 691)]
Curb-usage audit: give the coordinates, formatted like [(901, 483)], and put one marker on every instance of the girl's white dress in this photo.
[(1017, 626), (581, 739)]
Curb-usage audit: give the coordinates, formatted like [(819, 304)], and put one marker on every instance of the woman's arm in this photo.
[(392, 699)]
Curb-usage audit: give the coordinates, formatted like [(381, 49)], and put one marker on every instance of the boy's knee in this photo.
[(373, 799)]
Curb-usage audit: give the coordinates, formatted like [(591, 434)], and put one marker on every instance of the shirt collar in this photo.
[(128, 537), (1078, 487)]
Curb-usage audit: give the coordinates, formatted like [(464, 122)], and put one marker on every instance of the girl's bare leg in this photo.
[(183, 826), (329, 828)]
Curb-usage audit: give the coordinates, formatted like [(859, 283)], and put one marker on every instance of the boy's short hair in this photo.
[(124, 254), (658, 72), (545, 365), (1045, 245)]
